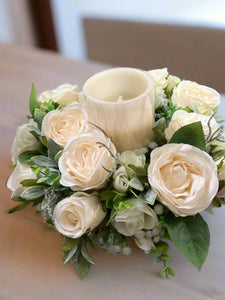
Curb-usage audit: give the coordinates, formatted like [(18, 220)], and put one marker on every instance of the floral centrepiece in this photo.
[(97, 197)]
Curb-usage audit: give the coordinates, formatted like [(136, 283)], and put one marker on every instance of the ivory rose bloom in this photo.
[(181, 118), (160, 79), (24, 141), (20, 173), (139, 216), (84, 161), (78, 214), (184, 177), (190, 94), (61, 126), (63, 95)]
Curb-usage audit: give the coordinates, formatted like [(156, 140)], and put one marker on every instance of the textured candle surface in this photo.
[(121, 102)]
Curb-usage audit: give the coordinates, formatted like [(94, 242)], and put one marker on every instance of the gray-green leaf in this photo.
[(191, 237), (44, 161), (33, 192), (84, 252), (136, 184), (82, 266), (70, 254)]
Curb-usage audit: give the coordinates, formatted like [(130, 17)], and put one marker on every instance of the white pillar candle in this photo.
[(122, 102)]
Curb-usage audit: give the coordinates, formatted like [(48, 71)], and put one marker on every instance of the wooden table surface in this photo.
[(30, 257)]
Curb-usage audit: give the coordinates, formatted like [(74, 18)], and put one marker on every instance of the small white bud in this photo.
[(158, 209), (115, 249), (153, 145), (126, 250)]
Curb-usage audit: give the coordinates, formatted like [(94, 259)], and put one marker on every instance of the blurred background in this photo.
[(187, 36)]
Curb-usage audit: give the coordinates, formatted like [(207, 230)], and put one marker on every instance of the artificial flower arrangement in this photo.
[(96, 195)]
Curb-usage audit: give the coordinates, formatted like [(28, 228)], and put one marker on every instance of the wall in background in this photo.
[(16, 24), (6, 32), (68, 16)]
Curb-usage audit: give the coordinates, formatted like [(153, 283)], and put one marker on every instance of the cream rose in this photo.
[(20, 173), (181, 118), (191, 94), (184, 177), (24, 141), (139, 216), (61, 126), (159, 76), (87, 160), (63, 95), (78, 214)]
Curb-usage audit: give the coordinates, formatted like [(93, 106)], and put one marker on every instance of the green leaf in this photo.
[(138, 170), (53, 148), (34, 130), (29, 182), (84, 252), (33, 192), (160, 247), (39, 116), (70, 244), (191, 237), (33, 100), (159, 129), (136, 184), (107, 195), (70, 254), (18, 207), (26, 156), (82, 266), (44, 161), (58, 155), (171, 271), (191, 134)]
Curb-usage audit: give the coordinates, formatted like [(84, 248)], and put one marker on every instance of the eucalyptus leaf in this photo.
[(191, 134), (39, 116), (84, 252), (53, 148), (33, 192), (82, 266), (70, 244), (191, 237), (18, 207), (44, 161), (159, 131), (58, 155), (70, 254), (33, 100), (34, 130)]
